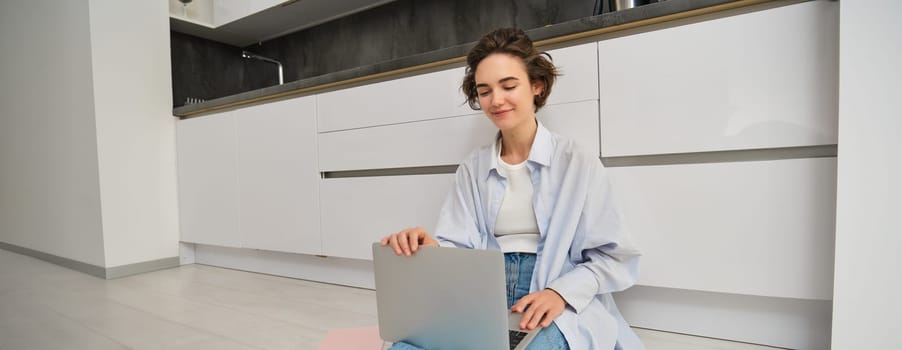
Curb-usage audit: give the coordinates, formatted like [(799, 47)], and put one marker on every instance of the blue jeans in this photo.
[(518, 269)]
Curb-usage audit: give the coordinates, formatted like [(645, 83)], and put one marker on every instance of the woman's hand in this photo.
[(408, 241), (541, 307)]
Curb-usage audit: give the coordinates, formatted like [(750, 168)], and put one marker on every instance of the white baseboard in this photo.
[(94, 270), (347, 272), (779, 322)]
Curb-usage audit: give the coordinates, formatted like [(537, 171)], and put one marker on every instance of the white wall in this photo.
[(135, 130), (867, 310), (49, 193), (87, 137)]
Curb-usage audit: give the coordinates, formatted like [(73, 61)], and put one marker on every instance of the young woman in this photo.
[(542, 201)]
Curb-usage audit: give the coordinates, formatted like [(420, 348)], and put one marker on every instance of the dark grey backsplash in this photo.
[(207, 70), (204, 69)]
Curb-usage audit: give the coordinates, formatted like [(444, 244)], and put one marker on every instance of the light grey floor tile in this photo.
[(132, 327), (297, 310), (261, 331), (26, 324), (44, 306)]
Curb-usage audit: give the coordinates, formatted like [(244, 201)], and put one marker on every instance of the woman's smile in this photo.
[(501, 113)]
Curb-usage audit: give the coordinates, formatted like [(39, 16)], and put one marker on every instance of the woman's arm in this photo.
[(609, 262), (458, 224)]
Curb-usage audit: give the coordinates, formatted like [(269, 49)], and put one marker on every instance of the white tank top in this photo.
[(515, 228)]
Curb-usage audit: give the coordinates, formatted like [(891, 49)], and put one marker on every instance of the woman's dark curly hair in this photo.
[(513, 42)]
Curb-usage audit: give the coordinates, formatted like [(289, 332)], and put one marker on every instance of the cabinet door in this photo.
[(757, 228), (578, 66), (208, 198), (437, 95), (359, 211), (443, 141), (420, 97), (433, 142), (577, 121), (278, 180), (757, 80)]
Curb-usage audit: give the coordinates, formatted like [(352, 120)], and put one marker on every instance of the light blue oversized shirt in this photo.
[(584, 252)]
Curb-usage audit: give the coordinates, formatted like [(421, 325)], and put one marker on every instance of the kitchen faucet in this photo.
[(247, 54)]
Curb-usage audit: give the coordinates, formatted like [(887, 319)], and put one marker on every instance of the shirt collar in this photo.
[(542, 146), (540, 152)]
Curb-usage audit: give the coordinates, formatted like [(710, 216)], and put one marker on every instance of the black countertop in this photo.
[(572, 30)]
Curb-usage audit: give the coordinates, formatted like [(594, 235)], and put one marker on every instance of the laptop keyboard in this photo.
[(516, 337)]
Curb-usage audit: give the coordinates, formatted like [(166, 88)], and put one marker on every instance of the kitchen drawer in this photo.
[(442, 141), (578, 66), (757, 80), (421, 97), (359, 211), (437, 95), (759, 228)]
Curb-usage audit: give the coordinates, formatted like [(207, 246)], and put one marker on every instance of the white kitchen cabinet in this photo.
[(443, 141), (278, 180), (359, 211), (757, 228), (577, 121), (420, 97), (437, 95), (248, 178), (425, 143), (207, 180), (578, 66), (757, 80)]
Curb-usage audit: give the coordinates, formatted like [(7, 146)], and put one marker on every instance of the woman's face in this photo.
[(505, 92)]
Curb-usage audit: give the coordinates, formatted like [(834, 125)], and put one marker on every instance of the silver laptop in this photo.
[(446, 298)]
